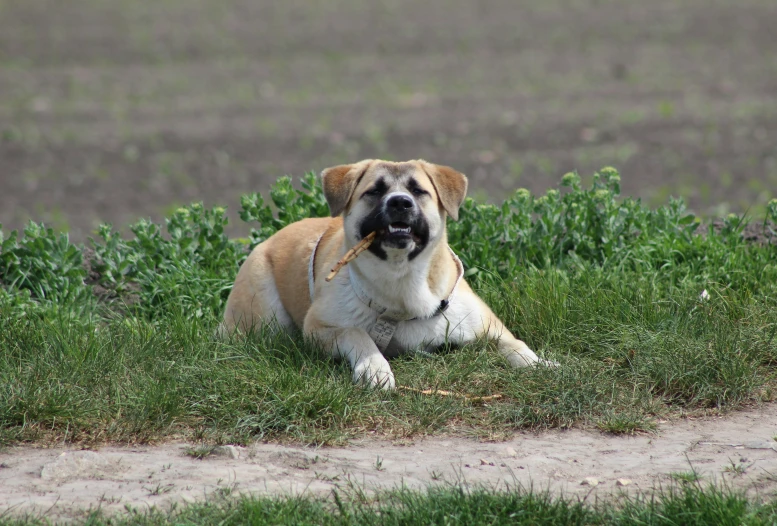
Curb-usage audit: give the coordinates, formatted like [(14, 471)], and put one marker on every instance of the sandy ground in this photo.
[(738, 449)]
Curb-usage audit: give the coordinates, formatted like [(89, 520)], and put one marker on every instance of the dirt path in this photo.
[(739, 448)]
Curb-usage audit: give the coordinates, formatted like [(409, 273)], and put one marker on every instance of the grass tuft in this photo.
[(689, 504)]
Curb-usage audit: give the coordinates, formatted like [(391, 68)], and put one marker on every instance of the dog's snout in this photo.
[(399, 202)]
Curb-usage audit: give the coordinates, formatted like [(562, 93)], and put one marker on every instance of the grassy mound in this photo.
[(113, 340)]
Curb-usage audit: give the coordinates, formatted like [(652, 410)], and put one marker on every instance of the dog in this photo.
[(405, 292)]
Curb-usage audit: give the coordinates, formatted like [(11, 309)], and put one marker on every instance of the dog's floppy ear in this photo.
[(450, 184), (339, 182)]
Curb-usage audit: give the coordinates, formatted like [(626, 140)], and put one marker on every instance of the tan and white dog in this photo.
[(405, 292)]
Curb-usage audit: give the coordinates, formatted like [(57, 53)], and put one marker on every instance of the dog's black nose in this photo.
[(399, 202)]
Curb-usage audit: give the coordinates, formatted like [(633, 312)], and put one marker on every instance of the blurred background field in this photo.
[(111, 110)]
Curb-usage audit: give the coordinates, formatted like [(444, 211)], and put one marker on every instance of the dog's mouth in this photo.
[(398, 231), (395, 233)]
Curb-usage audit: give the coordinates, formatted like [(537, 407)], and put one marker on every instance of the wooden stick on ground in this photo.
[(352, 254), (451, 393)]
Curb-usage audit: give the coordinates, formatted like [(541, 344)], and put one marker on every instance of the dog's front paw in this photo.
[(547, 363), (525, 357), (374, 372), (519, 360)]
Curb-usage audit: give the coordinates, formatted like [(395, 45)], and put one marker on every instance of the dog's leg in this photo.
[(515, 351), (369, 366), (473, 319)]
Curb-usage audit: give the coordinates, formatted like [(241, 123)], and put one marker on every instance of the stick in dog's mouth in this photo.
[(352, 254)]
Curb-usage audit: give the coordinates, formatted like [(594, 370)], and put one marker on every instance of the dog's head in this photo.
[(405, 203)]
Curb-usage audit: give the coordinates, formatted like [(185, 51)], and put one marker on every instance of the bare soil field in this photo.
[(739, 450), (111, 111)]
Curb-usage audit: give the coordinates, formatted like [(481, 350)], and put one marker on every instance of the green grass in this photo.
[(625, 358), (607, 287), (686, 477), (690, 504)]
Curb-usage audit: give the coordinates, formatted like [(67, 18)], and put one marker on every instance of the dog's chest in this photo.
[(422, 335), (400, 315), (451, 326)]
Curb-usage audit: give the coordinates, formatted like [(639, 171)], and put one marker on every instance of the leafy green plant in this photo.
[(43, 263), (580, 227), (191, 263), (190, 267), (291, 204)]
